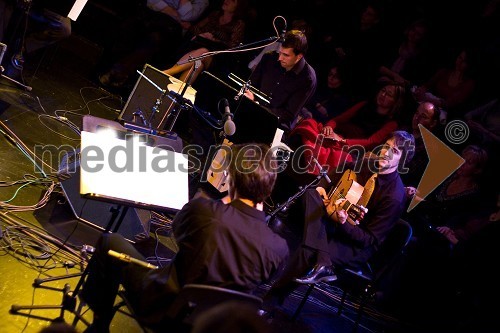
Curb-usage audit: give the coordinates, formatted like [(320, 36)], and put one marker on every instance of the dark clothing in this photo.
[(289, 90), (226, 245), (326, 242), (223, 245), (335, 101), (351, 246), (417, 165)]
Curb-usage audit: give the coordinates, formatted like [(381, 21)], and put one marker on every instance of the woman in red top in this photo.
[(366, 124)]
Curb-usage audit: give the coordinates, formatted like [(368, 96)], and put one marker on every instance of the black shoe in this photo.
[(319, 273)]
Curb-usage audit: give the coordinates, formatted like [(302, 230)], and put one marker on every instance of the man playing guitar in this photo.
[(329, 242)]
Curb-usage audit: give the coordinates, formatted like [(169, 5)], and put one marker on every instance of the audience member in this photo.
[(426, 115), (286, 77), (484, 123), (183, 11), (221, 29), (454, 197), (362, 45), (366, 124), (407, 64), (451, 89), (148, 36), (329, 243), (462, 231), (330, 100), (441, 264), (221, 244)]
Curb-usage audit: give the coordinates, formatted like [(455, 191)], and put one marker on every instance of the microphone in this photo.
[(229, 125), (126, 258), (321, 171), (281, 39), (282, 35)]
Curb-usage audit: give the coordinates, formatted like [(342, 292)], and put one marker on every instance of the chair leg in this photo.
[(359, 312), (303, 302), (342, 301)]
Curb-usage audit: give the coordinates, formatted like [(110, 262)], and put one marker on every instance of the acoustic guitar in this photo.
[(349, 189)]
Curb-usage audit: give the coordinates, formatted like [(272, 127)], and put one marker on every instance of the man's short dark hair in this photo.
[(252, 171), (296, 40), (406, 143)]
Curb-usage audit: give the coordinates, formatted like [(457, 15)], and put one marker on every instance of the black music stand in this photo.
[(96, 135), (150, 104), (69, 296)]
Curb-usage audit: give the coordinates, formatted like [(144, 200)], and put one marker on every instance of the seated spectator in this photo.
[(183, 11), (450, 89), (484, 123), (330, 100), (221, 29), (442, 261), (457, 232), (222, 244), (454, 197), (366, 124), (148, 37), (426, 115), (362, 43), (406, 65)]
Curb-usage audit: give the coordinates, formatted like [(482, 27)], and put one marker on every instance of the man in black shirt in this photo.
[(286, 78), (329, 242), (222, 244)]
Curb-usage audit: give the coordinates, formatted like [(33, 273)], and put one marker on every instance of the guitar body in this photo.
[(343, 187), (349, 189)]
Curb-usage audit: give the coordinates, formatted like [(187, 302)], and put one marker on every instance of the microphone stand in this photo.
[(241, 47), (180, 103), (302, 190), (197, 63), (27, 88)]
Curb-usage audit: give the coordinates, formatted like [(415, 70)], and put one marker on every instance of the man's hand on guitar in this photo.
[(335, 212), (323, 195)]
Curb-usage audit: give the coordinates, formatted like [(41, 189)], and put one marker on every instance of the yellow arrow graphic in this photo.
[(443, 161)]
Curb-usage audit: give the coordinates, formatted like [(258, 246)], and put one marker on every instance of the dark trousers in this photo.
[(314, 247), (148, 291)]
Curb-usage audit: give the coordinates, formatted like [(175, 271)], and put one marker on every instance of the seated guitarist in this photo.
[(328, 241)]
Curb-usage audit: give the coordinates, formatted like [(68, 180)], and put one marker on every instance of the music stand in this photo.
[(153, 186), (254, 123), (150, 103)]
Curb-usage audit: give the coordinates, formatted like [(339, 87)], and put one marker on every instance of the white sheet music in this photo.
[(76, 9)]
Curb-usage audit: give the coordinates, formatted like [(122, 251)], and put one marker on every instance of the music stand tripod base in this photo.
[(27, 88)]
